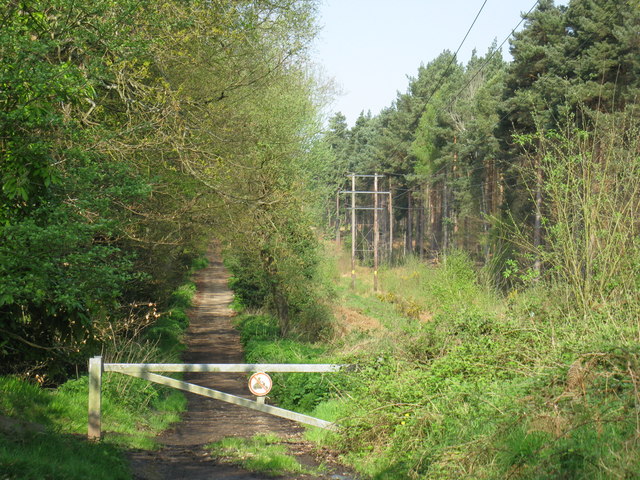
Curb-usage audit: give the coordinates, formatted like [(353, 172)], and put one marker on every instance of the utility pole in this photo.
[(390, 225), (338, 219), (376, 228), (376, 232), (353, 231), (408, 239)]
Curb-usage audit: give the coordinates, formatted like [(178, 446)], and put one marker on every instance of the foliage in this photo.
[(134, 410), (129, 134), (578, 421), (262, 342), (284, 277), (66, 266), (58, 285), (591, 192), (480, 386)]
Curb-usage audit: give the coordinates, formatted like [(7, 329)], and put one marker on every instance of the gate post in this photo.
[(95, 397)]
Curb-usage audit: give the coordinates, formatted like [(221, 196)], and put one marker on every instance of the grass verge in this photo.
[(43, 455), (266, 454), (42, 432)]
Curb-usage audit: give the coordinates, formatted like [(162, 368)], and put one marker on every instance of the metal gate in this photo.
[(146, 372)]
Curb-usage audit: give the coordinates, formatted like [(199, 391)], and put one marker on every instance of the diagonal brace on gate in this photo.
[(227, 397), (145, 371)]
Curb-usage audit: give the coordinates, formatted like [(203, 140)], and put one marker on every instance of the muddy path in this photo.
[(211, 338)]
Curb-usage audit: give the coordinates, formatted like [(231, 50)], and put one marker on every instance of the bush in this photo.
[(282, 276), (260, 335), (591, 193)]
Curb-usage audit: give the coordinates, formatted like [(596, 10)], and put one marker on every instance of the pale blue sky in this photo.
[(369, 47)]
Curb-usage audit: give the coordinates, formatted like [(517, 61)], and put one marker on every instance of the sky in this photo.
[(370, 47)]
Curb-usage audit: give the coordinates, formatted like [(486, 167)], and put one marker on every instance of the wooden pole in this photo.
[(338, 219), (376, 233), (353, 230), (390, 225), (95, 398), (409, 231), (421, 224)]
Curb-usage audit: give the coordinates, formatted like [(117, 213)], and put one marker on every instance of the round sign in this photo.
[(260, 384)]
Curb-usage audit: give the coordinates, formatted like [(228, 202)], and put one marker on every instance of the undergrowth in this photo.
[(260, 335), (46, 443), (461, 382)]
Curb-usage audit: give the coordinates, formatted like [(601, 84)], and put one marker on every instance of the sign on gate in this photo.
[(260, 384)]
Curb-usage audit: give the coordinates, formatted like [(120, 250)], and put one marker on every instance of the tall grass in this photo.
[(461, 382), (438, 288)]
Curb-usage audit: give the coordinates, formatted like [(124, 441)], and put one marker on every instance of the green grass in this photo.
[(130, 419), (294, 391), (64, 410), (45, 455), (265, 454)]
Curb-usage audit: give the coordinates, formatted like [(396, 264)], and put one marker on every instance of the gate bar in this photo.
[(130, 368)]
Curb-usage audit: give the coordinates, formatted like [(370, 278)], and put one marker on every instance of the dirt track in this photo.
[(211, 338)]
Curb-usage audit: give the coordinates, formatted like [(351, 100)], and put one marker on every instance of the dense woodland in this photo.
[(504, 340), (131, 133), (512, 162)]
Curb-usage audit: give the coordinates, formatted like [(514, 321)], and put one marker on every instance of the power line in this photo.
[(490, 57), (453, 59), (455, 56)]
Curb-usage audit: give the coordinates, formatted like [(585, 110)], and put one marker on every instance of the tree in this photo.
[(63, 263), (567, 61), (603, 50), (130, 133)]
